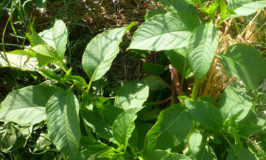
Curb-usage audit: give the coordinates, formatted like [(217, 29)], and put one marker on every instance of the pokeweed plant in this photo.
[(202, 126)]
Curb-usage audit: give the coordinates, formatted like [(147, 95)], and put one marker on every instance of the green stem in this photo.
[(195, 88), (255, 101)]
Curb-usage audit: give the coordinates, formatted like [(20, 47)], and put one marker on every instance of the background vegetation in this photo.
[(84, 20)]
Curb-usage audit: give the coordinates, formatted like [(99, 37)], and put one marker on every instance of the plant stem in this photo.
[(195, 88)]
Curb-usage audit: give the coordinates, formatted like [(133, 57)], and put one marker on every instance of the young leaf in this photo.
[(245, 63), (100, 53), (205, 113), (93, 150), (164, 32), (163, 155), (63, 122), (56, 37), (202, 48), (23, 52), (172, 127), (249, 8), (132, 95), (124, 126), (234, 104), (26, 106)]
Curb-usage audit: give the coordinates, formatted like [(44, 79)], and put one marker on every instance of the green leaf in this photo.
[(42, 143), (93, 150), (49, 74), (26, 106), (225, 11), (124, 126), (23, 52), (199, 149), (195, 142), (164, 155), (56, 37), (100, 53), (170, 130), (179, 59), (202, 48), (101, 119), (155, 69), (205, 113), (178, 5), (63, 122), (13, 137), (79, 80), (245, 63), (132, 95), (138, 135), (233, 4), (234, 104), (153, 12), (164, 32), (44, 54), (240, 152), (249, 8), (250, 125), (34, 38), (154, 82)]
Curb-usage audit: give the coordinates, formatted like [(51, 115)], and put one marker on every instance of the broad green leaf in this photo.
[(164, 32), (26, 106), (249, 8), (132, 95), (101, 119), (178, 5), (44, 54), (100, 53), (170, 130), (56, 37), (154, 12), (155, 69), (154, 82), (63, 122), (79, 80), (34, 38), (164, 155), (245, 63), (234, 104), (233, 4), (23, 52), (202, 48), (13, 137), (239, 152), (124, 126), (195, 142), (205, 113), (251, 124)]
